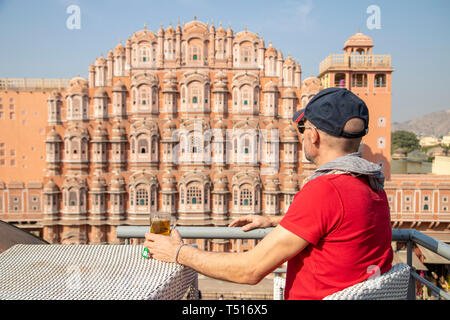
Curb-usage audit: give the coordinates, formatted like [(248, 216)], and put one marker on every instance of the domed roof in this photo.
[(289, 93), (119, 86), (118, 130), (220, 181), (221, 32), (290, 132), (168, 129), (168, 181), (51, 187), (54, 95), (100, 93), (358, 40), (100, 131), (117, 182), (77, 85), (290, 183), (270, 86), (171, 76), (119, 48), (98, 183), (100, 61), (170, 30), (220, 124), (53, 136), (271, 184), (270, 51)]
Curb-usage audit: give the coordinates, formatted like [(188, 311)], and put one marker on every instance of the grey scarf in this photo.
[(354, 165)]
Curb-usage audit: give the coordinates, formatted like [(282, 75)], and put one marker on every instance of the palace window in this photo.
[(246, 197), (143, 145), (194, 195), (72, 198), (141, 197), (380, 80), (359, 80)]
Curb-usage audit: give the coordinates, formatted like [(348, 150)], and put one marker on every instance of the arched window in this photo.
[(143, 145), (246, 146), (339, 80), (380, 80), (245, 96), (359, 80), (141, 197), (144, 95), (246, 198), (154, 144), (144, 54), (72, 198), (194, 195), (195, 144), (195, 54)]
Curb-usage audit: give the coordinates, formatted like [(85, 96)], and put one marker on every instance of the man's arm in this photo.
[(248, 267), (253, 221)]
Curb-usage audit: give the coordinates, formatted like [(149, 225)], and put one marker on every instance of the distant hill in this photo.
[(435, 124)]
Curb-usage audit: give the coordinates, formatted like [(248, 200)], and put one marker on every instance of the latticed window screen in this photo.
[(246, 198), (194, 195), (72, 198), (182, 195), (195, 144), (141, 197)]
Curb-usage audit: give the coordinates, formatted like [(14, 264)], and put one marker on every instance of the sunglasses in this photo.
[(301, 127)]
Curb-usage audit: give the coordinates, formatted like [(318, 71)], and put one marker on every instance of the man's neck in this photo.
[(327, 156)]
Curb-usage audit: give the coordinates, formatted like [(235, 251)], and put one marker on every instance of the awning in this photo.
[(431, 257), (400, 257)]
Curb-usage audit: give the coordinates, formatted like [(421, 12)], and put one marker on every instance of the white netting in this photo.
[(84, 272), (392, 285)]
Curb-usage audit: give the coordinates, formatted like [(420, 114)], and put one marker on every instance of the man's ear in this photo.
[(315, 136)]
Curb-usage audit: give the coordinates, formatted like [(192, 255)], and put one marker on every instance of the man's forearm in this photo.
[(234, 267)]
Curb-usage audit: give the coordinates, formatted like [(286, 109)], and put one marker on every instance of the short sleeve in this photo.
[(315, 211)]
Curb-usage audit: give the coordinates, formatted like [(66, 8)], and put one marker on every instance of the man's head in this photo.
[(333, 123)]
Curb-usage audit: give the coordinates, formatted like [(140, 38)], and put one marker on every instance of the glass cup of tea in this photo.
[(161, 223)]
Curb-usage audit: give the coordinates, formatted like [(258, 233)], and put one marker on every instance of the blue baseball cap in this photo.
[(331, 108)]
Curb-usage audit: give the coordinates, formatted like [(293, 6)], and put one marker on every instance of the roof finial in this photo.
[(245, 28), (195, 18), (359, 31), (145, 26)]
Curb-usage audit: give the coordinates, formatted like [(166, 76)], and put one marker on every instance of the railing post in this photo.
[(412, 281)]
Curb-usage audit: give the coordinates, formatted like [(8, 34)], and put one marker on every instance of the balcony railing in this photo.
[(20, 84), (410, 236), (347, 61)]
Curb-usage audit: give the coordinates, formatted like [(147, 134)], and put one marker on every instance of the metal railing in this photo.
[(410, 236), (19, 84), (353, 60)]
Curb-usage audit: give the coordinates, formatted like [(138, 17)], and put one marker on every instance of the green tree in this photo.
[(405, 140)]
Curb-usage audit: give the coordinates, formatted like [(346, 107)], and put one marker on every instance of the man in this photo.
[(337, 228)]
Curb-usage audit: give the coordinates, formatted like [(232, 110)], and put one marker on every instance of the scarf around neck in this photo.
[(352, 164)]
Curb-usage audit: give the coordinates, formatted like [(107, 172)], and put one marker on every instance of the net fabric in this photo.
[(90, 272), (278, 288), (392, 285)]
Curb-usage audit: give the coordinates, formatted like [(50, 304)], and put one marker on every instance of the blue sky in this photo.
[(36, 43)]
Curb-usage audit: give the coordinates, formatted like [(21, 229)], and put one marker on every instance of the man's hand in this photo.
[(250, 222), (163, 247)]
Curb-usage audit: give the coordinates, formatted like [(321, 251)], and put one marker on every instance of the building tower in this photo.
[(367, 75)]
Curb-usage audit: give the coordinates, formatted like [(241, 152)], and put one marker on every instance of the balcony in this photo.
[(408, 237), (23, 84), (343, 61)]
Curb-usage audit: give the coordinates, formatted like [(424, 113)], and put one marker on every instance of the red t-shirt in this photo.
[(348, 227)]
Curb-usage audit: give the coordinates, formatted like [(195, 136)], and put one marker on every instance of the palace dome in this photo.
[(359, 40)]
